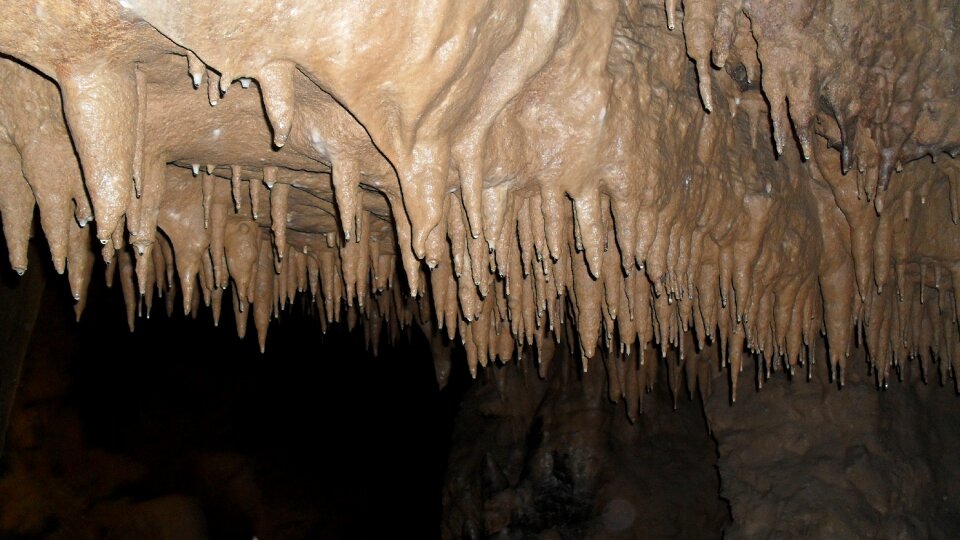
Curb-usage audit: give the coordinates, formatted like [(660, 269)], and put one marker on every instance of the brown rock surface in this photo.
[(710, 182)]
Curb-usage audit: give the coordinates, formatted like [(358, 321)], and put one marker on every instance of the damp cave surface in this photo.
[(706, 202)]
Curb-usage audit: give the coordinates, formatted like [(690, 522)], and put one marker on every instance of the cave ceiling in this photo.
[(627, 179)]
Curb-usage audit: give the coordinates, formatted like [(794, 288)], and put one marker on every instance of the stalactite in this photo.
[(553, 172)]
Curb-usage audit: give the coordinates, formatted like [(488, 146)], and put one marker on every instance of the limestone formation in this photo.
[(641, 182), (534, 167)]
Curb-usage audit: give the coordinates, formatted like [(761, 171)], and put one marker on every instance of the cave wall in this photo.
[(21, 301), (717, 184), (802, 459), (556, 457), (552, 457)]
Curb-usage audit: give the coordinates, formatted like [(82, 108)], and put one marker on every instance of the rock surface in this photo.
[(712, 182)]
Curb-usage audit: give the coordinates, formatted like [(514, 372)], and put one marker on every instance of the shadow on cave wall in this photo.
[(180, 430), (556, 459)]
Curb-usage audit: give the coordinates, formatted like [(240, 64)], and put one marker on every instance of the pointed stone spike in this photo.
[(100, 106), (241, 249), (140, 134), (216, 305), (423, 177), (213, 88), (144, 271), (206, 190), (79, 265), (255, 186), (277, 89), (196, 68), (270, 176), (226, 79), (671, 8), (125, 268), (704, 84), (780, 121), (346, 189), (550, 205), (588, 211), (263, 296), (724, 31), (16, 207), (218, 224), (471, 193), (410, 263), (235, 185), (278, 217), (495, 206), (143, 213), (240, 314)]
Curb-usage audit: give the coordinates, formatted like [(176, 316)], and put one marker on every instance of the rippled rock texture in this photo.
[(712, 184)]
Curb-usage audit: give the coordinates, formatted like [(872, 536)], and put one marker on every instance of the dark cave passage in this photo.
[(324, 441), (696, 200), (557, 459), (180, 430)]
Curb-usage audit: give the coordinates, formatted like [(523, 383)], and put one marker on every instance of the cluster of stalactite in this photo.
[(507, 173)]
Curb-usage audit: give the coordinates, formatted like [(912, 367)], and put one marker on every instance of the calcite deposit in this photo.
[(706, 182), (536, 168)]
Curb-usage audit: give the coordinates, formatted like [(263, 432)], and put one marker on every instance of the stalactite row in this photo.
[(204, 248), (874, 80), (527, 175)]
